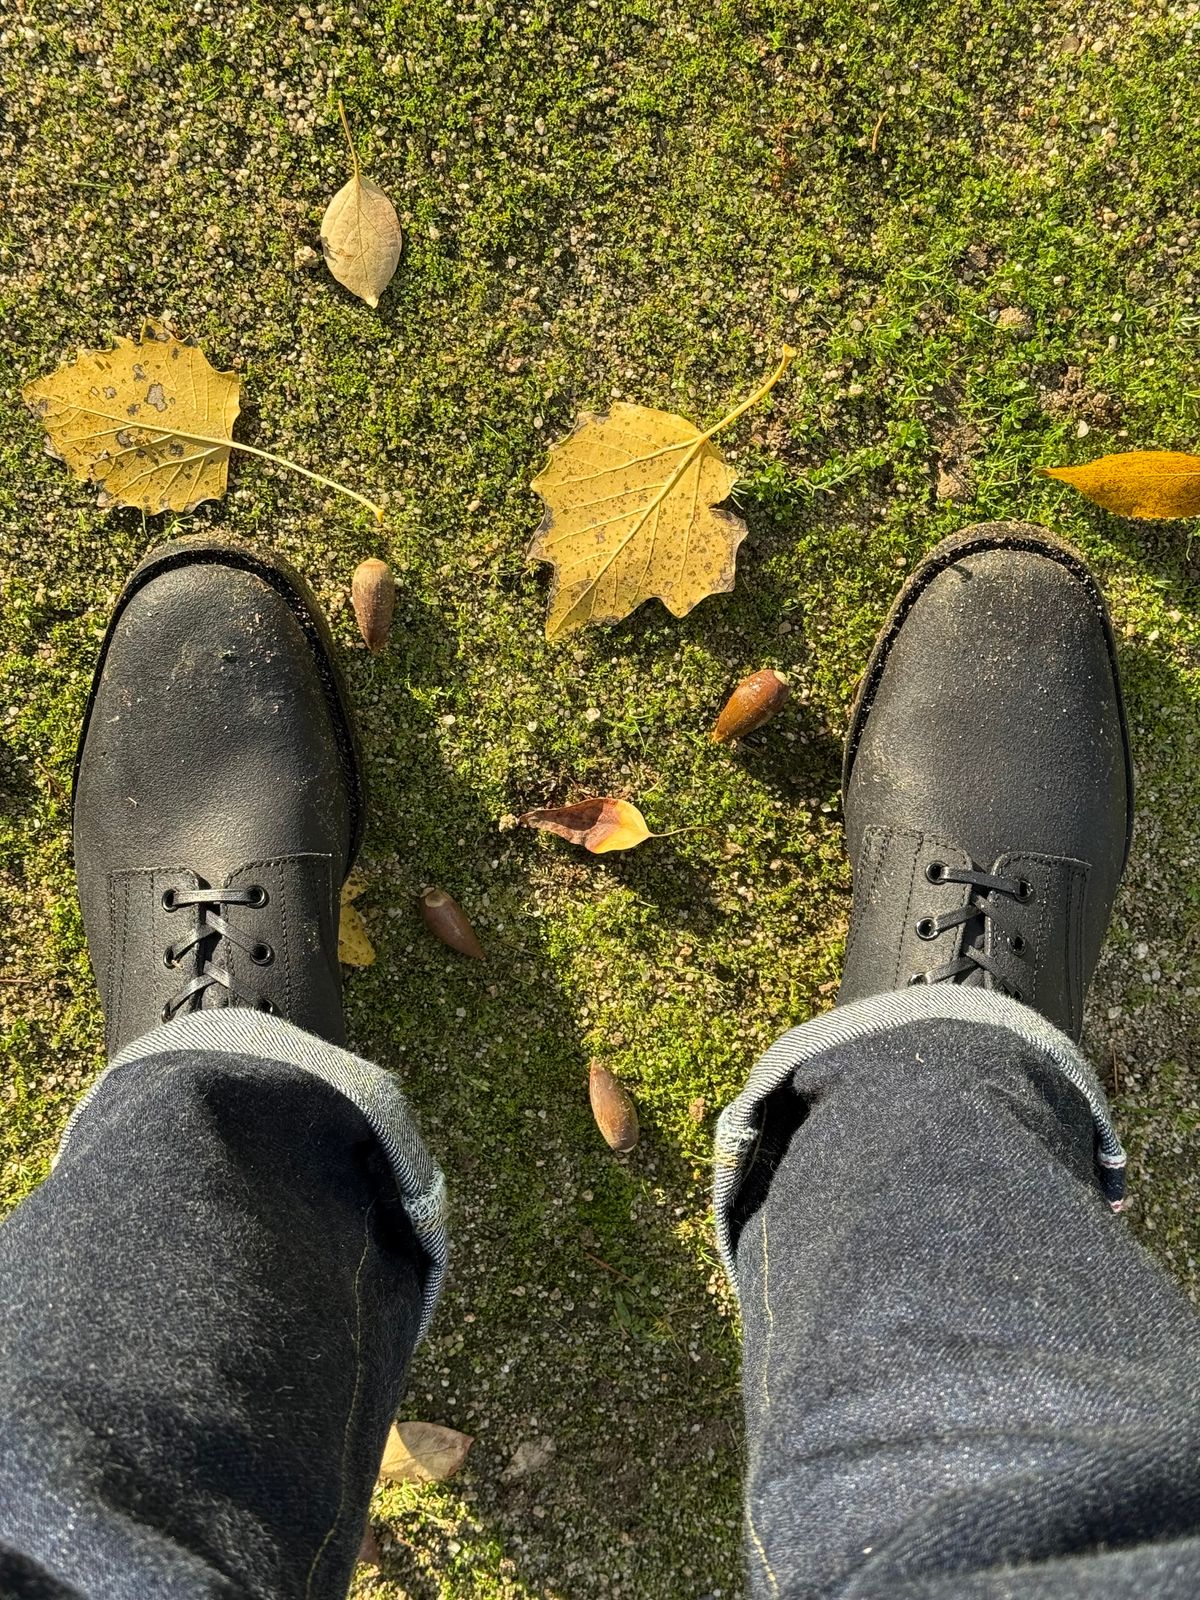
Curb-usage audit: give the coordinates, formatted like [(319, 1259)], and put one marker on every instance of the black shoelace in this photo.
[(211, 927), (973, 966)]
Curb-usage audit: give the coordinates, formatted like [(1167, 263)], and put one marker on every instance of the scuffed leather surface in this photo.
[(210, 756), (995, 733)]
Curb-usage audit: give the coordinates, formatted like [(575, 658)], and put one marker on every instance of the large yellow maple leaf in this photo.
[(631, 514)]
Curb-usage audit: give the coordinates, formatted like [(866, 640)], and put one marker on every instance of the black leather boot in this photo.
[(218, 797), (988, 785)]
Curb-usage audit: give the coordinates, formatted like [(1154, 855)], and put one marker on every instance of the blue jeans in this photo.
[(962, 1376)]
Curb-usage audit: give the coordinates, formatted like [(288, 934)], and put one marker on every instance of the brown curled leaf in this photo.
[(598, 825), (369, 1553)]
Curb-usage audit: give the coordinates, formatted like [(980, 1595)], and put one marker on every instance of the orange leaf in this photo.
[(1151, 484), (598, 825)]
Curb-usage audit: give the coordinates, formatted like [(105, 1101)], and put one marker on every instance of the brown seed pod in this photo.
[(612, 1107), (373, 594), (755, 699), (445, 919)]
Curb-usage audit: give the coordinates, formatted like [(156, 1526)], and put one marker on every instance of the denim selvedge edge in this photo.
[(239, 1031), (738, 1126)]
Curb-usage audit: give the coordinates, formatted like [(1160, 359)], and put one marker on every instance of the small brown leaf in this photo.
[(423, 1452), (598, 825), (753, 702), (1151, 484), (613, 1108), (369, 1553), (447, 921), (373, 595)]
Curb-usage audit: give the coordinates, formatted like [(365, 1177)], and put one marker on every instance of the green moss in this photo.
[(606, 199)]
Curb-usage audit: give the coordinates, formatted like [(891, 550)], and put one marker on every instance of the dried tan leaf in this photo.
[(354, 942), (1150, 484), (598, 825), (629, 514), (360, 233), (423, 1452), (151, 422)]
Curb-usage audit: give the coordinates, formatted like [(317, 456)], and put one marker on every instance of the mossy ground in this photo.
[(979, 223)]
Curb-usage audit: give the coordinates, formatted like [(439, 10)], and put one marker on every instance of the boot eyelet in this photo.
[(1024, 890), (166, 1013), (268, 1006), (168, 900), (257, 895), (1017, 944), (916, 978), (936, 871), (262, 955), (927, 928), (169, 960)]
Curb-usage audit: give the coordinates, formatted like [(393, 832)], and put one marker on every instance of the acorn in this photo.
[(755, 700), (373, 595), (446, 920), (612, 1107)]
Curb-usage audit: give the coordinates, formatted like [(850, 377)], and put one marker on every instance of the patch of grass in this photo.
[(608, 199)]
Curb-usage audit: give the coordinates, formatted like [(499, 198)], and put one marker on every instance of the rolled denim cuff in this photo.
[(256, 1035), (740, 1124)]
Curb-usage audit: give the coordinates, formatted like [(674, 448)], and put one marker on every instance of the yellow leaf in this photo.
[(598, 825), (121, 418), (629, 514), (354, 942), (151, 422), (360, 233), (1151, 484), (423, 1452), (354, 886)]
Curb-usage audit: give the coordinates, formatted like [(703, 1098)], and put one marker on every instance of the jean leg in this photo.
[(205, 1315), (962, 1373)]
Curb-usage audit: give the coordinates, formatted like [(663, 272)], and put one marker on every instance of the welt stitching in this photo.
[(912, 880), (866, 890)]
